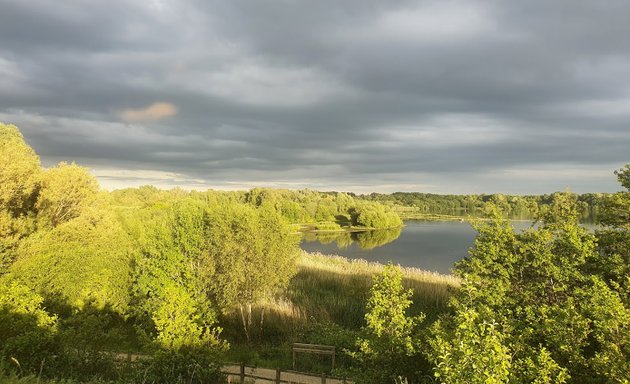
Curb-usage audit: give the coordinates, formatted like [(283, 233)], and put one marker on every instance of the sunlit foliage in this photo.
[(20, 172), (546, 305), (252, 256), (86, 259), (65, 192), (390, 347), (19, 184), (85, 273)]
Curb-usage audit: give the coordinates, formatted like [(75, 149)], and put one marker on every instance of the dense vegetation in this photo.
[(549, 305), (188, 280), (86, 274)]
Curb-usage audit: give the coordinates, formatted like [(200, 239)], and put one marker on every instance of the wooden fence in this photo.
[(240, 373)]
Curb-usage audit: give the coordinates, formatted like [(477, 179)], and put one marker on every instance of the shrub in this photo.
[(193, 365)]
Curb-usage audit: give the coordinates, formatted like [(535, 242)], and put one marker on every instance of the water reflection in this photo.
[(365, 240), (430, 245), (433, 246)]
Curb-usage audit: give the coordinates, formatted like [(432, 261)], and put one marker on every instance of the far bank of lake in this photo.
[(429, 245)]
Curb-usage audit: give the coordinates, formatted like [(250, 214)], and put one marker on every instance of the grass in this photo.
[(335, 288), (430, 217), (330, 291)]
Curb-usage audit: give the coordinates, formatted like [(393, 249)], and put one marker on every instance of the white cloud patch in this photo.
[(567, 172), (444, 20), (598, 108), (430, 23), (123, 178), (450, 130)]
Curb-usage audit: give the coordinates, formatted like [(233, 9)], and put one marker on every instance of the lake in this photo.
[(429, 245)]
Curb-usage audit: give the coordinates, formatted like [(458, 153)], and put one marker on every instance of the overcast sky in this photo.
[(434, 96)]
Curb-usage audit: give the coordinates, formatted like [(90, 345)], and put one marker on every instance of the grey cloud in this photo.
[(369, 95)]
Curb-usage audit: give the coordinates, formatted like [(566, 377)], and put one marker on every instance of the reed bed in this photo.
[(344, 265)]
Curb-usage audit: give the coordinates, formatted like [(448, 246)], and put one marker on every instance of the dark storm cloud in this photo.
[(441, 96)]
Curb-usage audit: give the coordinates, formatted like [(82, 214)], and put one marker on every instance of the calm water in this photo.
[(429, 245)]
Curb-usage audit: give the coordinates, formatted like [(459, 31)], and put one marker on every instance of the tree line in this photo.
[(519, 207), (86, 273)]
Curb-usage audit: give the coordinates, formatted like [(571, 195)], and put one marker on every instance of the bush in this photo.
[(390, 349), (27, 332), (371, 215), (186, 365)]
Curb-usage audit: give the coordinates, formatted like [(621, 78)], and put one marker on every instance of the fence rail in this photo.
[(238, 373)]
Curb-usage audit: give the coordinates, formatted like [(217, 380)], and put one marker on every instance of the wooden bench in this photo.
[(314, 349)]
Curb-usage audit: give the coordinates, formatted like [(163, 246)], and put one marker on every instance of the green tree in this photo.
[(614, 237), (374, 215), (19, 184), (12, 230), (609, 320), (171, 274), (469, 348), (250, 256), (623, 175), (19, 172), (609, 296), (179, 323), (389, 350), (86, 259), (66, 191), (531, 301)]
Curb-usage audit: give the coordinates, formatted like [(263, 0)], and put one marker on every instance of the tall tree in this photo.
[(170, 276), (251, 255), (19, 171), (66, 191), (19, 184)]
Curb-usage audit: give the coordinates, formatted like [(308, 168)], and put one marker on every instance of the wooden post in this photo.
[(293, 359), (323, 378), (242, 373), (333, 360), (278, 375)]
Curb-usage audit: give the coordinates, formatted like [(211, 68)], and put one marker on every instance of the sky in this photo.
[(522, 97)]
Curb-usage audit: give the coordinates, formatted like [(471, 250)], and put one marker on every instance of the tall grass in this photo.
[(333, 289)]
